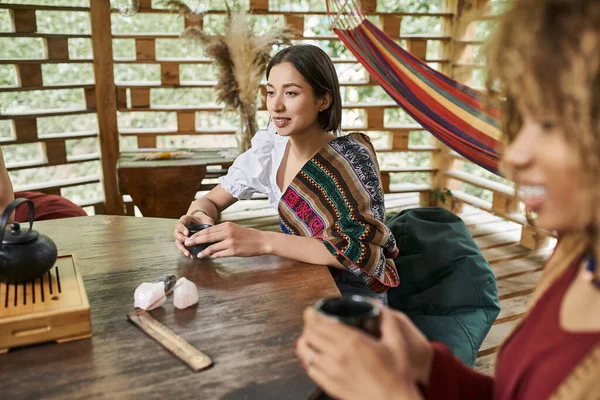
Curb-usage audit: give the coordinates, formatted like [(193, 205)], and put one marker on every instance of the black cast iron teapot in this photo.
[(24, 253)]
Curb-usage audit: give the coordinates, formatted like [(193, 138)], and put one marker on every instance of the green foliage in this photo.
[(441, 195)]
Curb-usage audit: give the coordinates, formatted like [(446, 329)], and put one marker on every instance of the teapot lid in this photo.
[(16, 235)]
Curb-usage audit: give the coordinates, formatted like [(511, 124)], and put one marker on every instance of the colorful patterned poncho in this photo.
[(337, 198)]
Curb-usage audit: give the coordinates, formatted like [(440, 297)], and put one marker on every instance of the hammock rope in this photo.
[(457, 115)]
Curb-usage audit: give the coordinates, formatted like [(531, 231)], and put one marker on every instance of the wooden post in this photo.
[(106, 101), (391, 25), (442, 160), (121, 98), (90, 98), (29, 75), (418, 48), (533, 239), (140, 98), (145, 49), (25, 130), (296, 22), (399, 139), (369, 5), (169, 74), (146, 141), (56, 151), (186, 121), (375, 117), (23, 21), (385, 181), (259, 5), (504, 204), (57, 49)]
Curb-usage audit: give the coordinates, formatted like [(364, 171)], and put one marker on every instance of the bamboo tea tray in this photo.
[(53, 307)]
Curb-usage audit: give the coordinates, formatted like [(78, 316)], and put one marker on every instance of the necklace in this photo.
[(589, 274)]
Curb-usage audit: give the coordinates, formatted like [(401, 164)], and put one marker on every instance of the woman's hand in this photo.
[(349, 364), (230, 240), (181, 232)]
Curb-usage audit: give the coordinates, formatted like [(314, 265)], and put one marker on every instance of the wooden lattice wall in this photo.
[(108, 99)]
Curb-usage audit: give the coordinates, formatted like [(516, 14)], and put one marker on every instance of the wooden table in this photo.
[(166, 187), (247, 321)]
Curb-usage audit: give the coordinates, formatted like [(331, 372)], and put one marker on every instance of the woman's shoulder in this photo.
[(354, 142)]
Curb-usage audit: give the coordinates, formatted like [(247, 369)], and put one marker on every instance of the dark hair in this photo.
[(317, 69)]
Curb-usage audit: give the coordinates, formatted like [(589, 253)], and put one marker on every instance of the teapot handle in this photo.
[(8, 211)]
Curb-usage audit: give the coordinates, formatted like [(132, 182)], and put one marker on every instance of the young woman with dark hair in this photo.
[(325, 186)]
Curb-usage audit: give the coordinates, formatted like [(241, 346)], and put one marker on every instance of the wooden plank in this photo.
[(498, 239), (520, 284), (146, 141), (369, 5), (29, 75), (385, 181), (391, 25), (533, 239), (145, 4), (399, 139), (25, 130), (532, 262), (56, 49), (197, 22), (375, 118), (490, 228), (169, 74), (121, 98), (175, 132), (418, 48), (186, 121), (495, 337), (504, 204), (106, 103), (509, 251), (513, 307), (296, 22), (34, 7), (56, 151), (259, 5), (486, 364), (145, 49), (90, 98), (23, 20), (48, 87), (140, 98)]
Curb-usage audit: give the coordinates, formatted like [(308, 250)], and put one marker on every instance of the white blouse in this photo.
[(255, 171)]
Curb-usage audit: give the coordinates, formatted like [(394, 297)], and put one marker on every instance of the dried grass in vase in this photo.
[(241, 57)]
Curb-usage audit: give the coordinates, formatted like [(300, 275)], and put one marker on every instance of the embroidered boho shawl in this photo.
[(337, 198)]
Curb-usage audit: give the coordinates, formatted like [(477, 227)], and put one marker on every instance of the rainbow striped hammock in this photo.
[(457, 115)]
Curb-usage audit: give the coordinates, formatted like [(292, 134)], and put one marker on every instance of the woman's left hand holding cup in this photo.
[(229, 240), (181, 232), (349, 364)]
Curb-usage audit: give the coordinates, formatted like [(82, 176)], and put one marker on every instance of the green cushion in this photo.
[(447, 287)]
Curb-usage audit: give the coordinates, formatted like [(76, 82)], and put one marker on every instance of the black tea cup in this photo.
[(197, 248), (354, 310), (358, 311)]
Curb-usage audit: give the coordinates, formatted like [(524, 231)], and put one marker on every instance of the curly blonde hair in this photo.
[(546, 56)]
